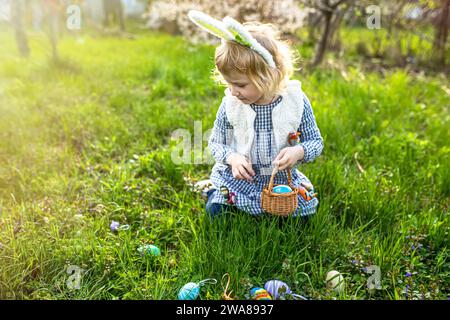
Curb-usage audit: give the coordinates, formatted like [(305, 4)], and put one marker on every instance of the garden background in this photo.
[(88, 108)]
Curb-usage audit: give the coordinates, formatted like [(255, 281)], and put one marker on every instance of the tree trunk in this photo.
[(114, 8), (52, 16), (120, 14), (313, 25), (334, 36), (441, 33), (323, 43), (53, 34), (21, 37)]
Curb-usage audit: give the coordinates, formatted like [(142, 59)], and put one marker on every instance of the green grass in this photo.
[(87, 140), (377, 49)]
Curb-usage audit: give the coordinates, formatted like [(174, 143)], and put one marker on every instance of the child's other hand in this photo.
[(241, 167), (289, 156)]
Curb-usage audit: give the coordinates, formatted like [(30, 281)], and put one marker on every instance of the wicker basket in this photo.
[(279, 204)]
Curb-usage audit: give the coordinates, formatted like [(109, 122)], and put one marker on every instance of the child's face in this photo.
[(242, 88)]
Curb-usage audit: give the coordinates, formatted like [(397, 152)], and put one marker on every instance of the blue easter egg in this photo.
[(149, 249), (189, 291), (277, 288), (282, 189)]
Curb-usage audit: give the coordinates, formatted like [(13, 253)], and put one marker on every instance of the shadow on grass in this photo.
[(62, 66)]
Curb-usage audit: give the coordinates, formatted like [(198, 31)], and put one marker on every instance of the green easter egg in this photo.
[(149, 249)]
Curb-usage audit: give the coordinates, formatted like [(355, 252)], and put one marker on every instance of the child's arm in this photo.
[(219, 144), (220, 139), (310, 138)]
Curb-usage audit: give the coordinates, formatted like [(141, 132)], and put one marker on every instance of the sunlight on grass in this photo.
[(87, 140)]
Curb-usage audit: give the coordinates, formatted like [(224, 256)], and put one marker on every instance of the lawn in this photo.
[(87, 140)]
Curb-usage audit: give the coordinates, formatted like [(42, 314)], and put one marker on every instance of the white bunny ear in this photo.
[(208, 23), (243, 36)]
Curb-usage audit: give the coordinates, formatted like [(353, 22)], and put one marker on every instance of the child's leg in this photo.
[(310, 208), (307, 202), (305, 219), (215, 209), (306, 208)]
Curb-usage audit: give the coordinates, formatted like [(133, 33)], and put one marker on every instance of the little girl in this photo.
[(259, 119)]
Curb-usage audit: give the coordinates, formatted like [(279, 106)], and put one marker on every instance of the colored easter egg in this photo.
[(149, 249), (114, 225), (335, 281), (277, 289), (189, 291), (259, 294), (282, 189)]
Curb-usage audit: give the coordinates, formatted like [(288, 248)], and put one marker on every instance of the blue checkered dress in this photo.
[(263, 152)]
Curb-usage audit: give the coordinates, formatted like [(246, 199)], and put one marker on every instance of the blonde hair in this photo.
[(231, 56)]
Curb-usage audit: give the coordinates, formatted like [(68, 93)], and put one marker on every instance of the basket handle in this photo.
[(274, 172)]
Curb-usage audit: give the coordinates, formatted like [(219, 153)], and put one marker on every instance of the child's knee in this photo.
[(215, 209), (307, 208)]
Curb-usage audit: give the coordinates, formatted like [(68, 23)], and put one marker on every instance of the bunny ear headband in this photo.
[(231, 30)]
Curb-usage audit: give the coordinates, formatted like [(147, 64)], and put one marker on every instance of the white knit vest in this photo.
[(286, 117)]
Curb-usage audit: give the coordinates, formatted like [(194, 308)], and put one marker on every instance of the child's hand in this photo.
[(241, 167), (289, 156)]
